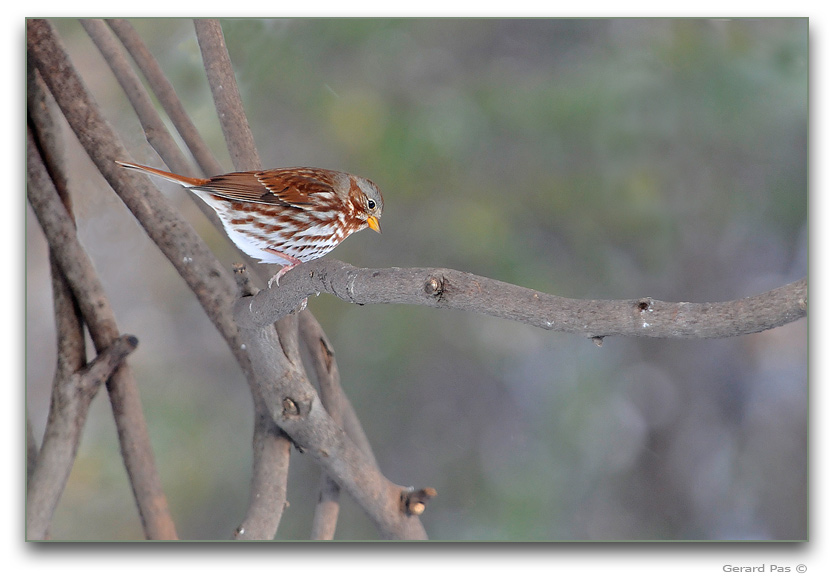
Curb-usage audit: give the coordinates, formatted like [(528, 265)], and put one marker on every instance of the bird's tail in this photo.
[(182, 180)]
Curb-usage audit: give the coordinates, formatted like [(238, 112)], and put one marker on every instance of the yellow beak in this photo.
[(373, 223)]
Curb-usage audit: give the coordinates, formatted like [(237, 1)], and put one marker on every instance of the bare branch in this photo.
[(71, 351), (296, 409), (338, 406), (271, 459), (67, 415), (326, 513), (69, 326), (155, 130), (211, 283), (268, 488), (167, 97), (327, 374), (444, 288), (226, 95), (282, 383), (80, 274)]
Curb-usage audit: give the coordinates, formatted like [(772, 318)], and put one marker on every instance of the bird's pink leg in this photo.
[(293, 262)]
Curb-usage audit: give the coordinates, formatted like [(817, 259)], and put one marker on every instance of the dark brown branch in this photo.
[(338, 406), (67, 415), (226, 95), (326, 513), (155, 130), (327, 374), (297, 410), (74, 263), (211, 283), (444, 288), (71, 351), (282, 382), (167, 97), (271, 458), (268, 488)]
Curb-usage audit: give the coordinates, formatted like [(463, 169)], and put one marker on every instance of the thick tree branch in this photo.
[(271, 458), (271, 447), (71, 351), (297, 410), (268, 486), (67, 416), (445, 288), (211, 283), (74, 263), (273, 351)]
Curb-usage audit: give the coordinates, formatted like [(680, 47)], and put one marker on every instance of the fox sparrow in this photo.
[(285, 216)]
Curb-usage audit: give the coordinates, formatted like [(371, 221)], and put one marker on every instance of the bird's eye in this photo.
[(371, 204)]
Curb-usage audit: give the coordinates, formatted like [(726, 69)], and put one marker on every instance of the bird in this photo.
[(285, 216)]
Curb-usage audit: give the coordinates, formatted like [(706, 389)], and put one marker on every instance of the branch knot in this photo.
[(414, 500), (433, 286)]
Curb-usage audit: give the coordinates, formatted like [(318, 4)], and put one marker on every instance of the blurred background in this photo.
[(606, 159)]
